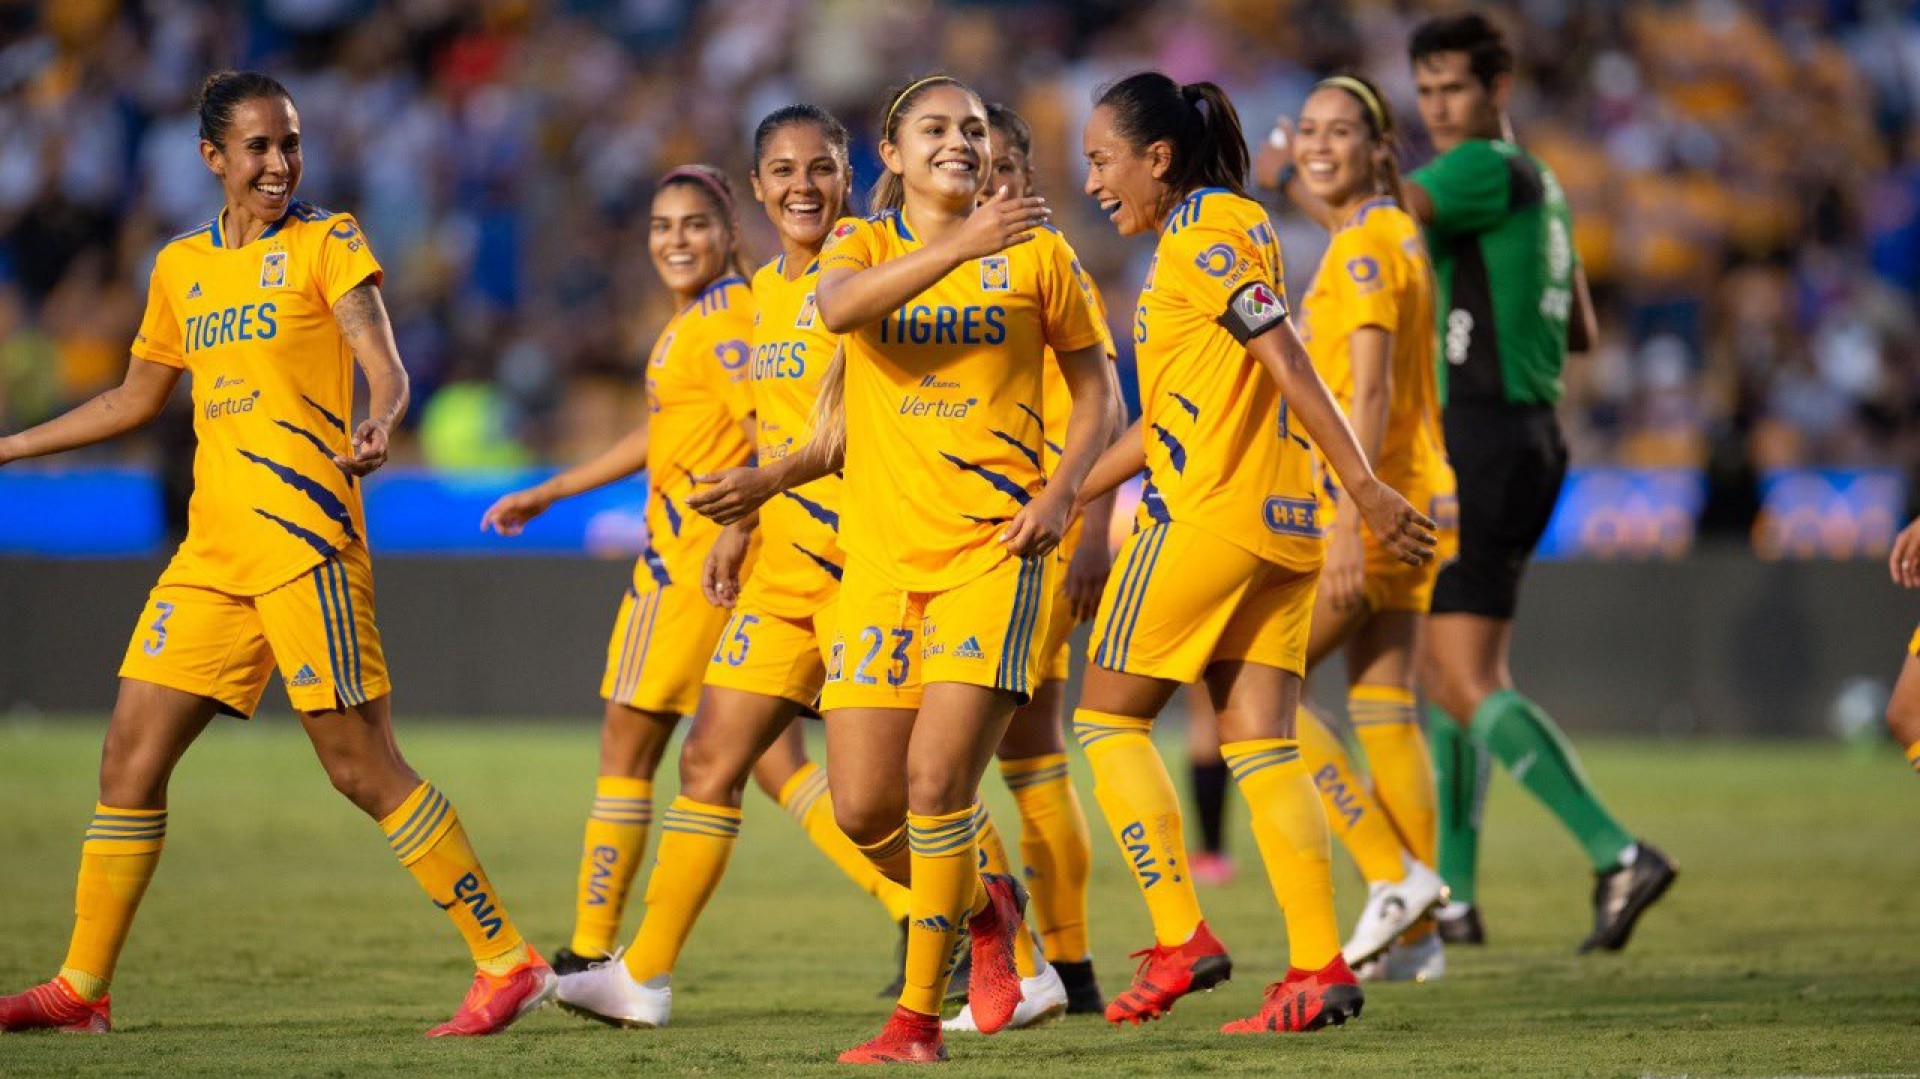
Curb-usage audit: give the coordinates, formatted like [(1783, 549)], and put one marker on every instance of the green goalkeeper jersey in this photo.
[(1501, 239)]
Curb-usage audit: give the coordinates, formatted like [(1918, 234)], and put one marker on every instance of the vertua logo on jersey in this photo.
[(804, 320), (273, 270), (995, 275)]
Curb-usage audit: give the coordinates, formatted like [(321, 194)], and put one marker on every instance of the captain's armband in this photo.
[(1255, 308)]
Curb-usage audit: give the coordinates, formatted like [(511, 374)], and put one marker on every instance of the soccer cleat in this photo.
[(1042, 999), (53, 1005), (567, 961), (1623, 893), (993, 981), (1305, 1000), (1424, 960), (1213, 870), (495, 1002), (1083, 989), (1392, 908), (1167, 974), (1459, 923), (606, 993), (908, 1038), (899, 983)]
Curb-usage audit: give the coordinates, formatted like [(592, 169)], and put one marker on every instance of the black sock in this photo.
[(1210, 802)]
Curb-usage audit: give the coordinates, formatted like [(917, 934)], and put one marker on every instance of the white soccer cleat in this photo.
[(606, 993), (1425, 960), (1392, 908), (1043, 998)]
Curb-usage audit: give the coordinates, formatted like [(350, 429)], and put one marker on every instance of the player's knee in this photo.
[(867, 821), (708, 775), (1903, 719), (936, 790), (131, 778)]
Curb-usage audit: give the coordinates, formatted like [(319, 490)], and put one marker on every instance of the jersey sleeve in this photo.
[(1362, 262), (849, 247), (344, 260), (1469, 187), (159, 340), (1227, 276), (728, 346), (1070, 320)]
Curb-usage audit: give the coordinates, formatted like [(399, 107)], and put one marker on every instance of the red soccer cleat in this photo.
[(1167, 974), (1305, 1000), (495, 1001), (55, 1006), (993, 983), (908, 1038)]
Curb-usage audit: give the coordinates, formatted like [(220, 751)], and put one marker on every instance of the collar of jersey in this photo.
[(716, 285), (218, 234), (780, 267), (1360, 212), (1193, 196)]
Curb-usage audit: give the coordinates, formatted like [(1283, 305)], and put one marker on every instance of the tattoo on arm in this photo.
[(358, 310)]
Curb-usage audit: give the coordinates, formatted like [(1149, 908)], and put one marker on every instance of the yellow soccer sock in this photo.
[(992, 858), (1913, 756), (1136, 796), (945, 882), (1291, 830), (426, 836), (117, 860), (695, 841), (1363, 827), (806, 799), (1056, 849), (610, 853), (1387, 725), (890, 856)]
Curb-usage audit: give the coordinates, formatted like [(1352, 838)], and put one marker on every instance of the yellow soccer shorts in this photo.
[(1913, 643), (1392, 585), (661, 643), (1060, 626), (1181, 598), (317, 628), (773, 655), (890, 643)]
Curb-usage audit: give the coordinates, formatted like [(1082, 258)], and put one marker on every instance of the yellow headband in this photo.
[(908, 92), (1367, 98)]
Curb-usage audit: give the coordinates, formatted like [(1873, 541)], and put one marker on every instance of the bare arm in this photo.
[(1372, 359), (735, 494), (1404, 531), (1583, 326), (362, 317), (1122, 461), (1037, 528), (136, 401), (849, 299)]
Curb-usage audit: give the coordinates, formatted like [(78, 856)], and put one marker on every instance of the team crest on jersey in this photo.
[(995, 275), (273, 270), (804, 320)]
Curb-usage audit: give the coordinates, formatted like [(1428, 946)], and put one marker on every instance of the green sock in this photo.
[(1460, 785), (1538, 755)]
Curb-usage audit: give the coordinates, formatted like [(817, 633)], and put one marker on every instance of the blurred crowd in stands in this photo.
[(1745, 179)]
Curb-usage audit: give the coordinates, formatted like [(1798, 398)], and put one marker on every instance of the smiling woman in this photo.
[(268, 305)]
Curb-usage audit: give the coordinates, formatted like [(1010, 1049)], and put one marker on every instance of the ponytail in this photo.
[(828, 423), (1197, 120)]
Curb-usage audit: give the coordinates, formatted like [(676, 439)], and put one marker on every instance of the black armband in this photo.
[(1254, 309)]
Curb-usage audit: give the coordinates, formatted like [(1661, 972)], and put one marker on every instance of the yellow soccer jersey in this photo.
[(696, 397), (800, 560), (1221, 452), (272, 394), (1057, 401), (1375, 273), (944, 432)]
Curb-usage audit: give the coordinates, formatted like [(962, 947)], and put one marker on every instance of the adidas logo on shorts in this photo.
[(969, 649), (304, 677)]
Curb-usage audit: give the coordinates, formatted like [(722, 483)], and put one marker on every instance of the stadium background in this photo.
[(1745, 177)]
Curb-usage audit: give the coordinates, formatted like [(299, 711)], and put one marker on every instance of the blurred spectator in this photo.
[(1745, 178)]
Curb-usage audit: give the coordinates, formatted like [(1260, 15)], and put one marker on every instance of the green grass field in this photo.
[(280, 938)]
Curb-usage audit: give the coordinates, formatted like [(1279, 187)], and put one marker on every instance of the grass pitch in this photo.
[(280, 938)]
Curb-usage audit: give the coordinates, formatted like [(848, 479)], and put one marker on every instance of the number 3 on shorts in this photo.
[(159, 628)]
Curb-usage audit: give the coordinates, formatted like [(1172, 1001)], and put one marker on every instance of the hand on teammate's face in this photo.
[(1000, 222)]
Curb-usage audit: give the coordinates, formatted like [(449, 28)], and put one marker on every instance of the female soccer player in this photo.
[(268, 305), (1367, 321), (1219, 580), (771, 659), (949, 519), (699, 419)]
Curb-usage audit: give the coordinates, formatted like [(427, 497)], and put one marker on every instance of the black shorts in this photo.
[(1509, 461)]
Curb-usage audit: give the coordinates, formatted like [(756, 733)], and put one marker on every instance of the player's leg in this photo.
[(151, 728), (1903, 707), (1209, 781), (801, 788)]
